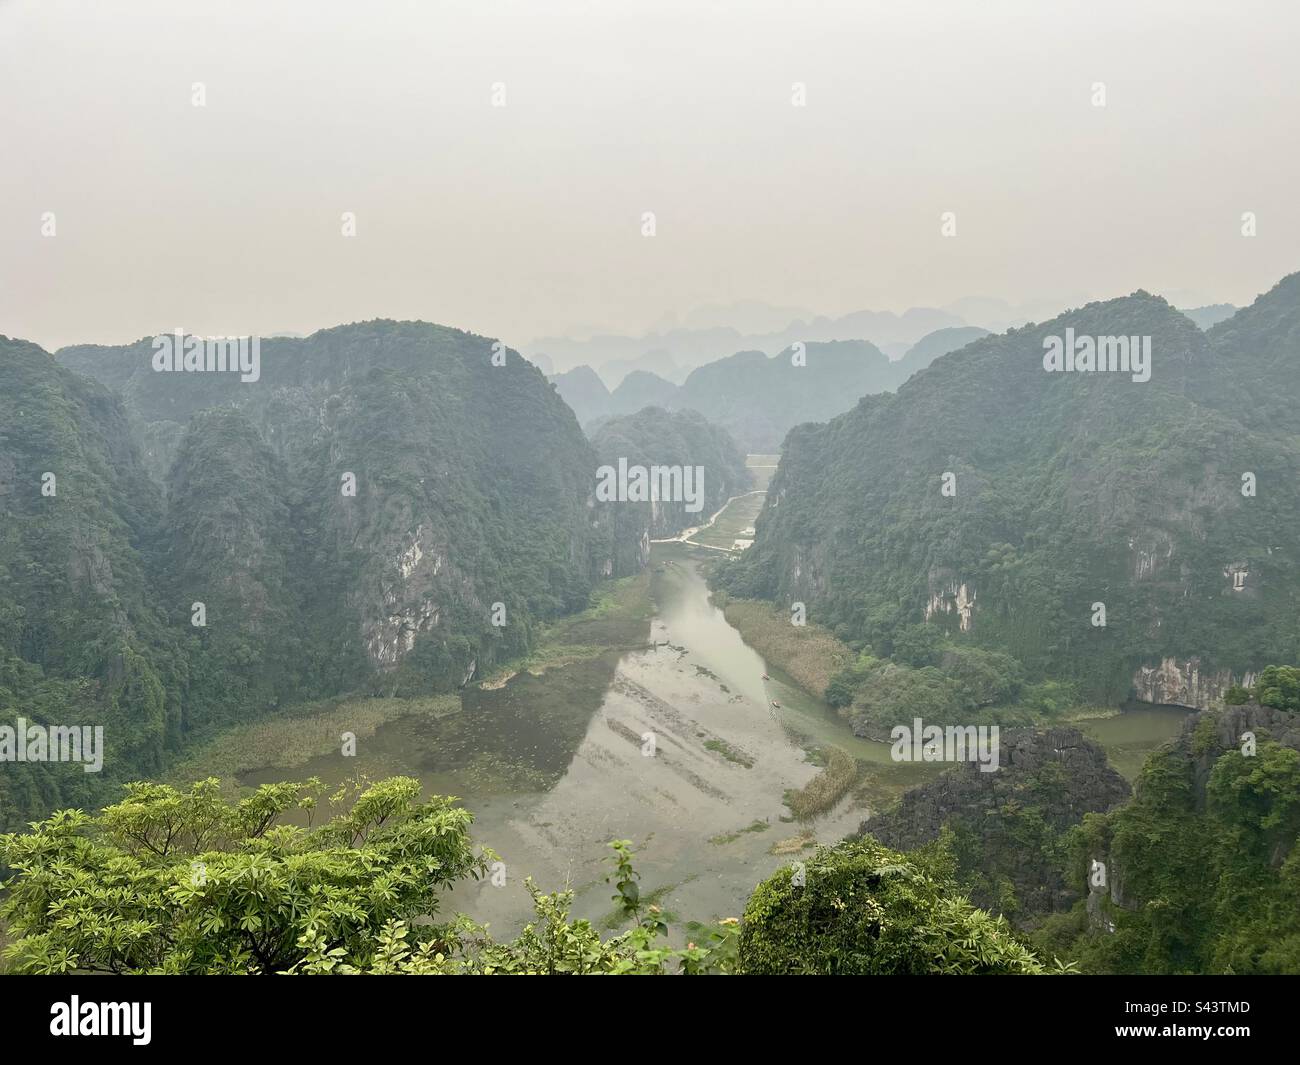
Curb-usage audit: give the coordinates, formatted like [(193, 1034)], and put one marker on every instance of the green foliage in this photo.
[(628, 896), (1049, 697), (863, 909), (1256, 800), (897, 694), (943, 682), (551, 945), (845, 684), (186, 882), (1210, 881), (81, 641), (177, 882), (984, 678), (1279, 686), (917, 645)]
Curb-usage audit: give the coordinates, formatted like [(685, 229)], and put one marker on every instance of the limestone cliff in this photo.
[(1183, 682)]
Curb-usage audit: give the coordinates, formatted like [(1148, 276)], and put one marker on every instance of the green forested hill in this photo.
[(81, 637), (641, 389), (933, 345), (1071, 489), (653, 437), (1259, 360), (387, 508)]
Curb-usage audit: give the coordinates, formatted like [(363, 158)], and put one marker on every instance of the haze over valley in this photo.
[(696, 489)]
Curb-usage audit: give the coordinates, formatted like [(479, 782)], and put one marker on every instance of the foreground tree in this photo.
[(859, 908), (187, 882)]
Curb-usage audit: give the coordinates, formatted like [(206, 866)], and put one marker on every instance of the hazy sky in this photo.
[(525, 220)]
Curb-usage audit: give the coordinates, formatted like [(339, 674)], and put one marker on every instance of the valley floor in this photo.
[(550, 753)]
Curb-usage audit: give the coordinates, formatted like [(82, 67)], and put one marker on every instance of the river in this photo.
[(555, 766)]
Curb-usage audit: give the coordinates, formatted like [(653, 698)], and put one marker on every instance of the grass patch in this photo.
[(739, 515), (294, 738), (825, 789), (810, 654), (1087, 713), (793, 845), (617, 619), (730, 753), (731, 837)]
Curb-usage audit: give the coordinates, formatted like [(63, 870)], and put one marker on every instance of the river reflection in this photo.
[(553, 767)]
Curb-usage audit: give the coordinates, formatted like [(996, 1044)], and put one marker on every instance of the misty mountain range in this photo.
[(673, 350), (211, 551)]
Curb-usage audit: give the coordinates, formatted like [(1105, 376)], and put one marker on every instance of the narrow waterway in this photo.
[(678, 748), (553, 766)]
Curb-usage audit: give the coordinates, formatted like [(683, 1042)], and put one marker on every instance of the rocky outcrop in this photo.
[(1046, 781), (1182, 682), (1150, 554), (952, 597), (1206, 736)]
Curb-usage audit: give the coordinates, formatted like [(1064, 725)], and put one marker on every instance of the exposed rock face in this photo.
[(1098, 919), (1182, 682), (1266, 722), (1238, 573), (1056, 774), (954, 597), (1151, 554)]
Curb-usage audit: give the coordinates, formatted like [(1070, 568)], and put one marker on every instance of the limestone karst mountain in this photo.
[(386, 507), (681, 440), (759, 398), (1019, 509)]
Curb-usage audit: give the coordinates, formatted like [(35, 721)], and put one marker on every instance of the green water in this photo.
[(553, 766), (1131, 736)]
